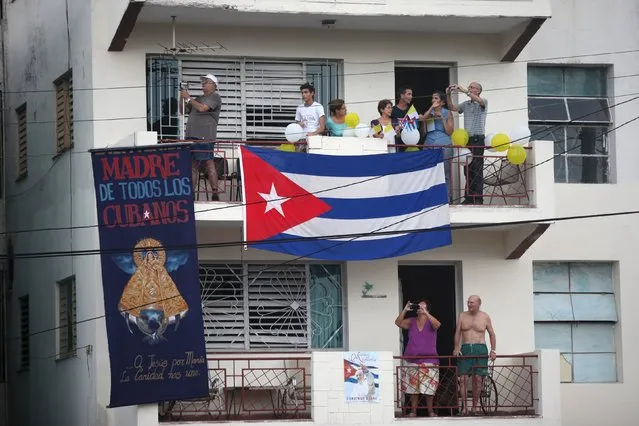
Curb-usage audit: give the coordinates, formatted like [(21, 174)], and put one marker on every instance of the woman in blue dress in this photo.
[(438, 126)]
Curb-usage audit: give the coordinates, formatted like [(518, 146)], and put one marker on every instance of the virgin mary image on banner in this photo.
[(151, 301)]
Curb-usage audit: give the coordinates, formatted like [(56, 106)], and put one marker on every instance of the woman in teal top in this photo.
[(335, 124), (438, 126)]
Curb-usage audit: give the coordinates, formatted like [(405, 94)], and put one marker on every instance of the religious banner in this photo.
[(150, 274), (361, 377)]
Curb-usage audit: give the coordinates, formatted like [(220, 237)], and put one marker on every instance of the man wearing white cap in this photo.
[(204, 115)]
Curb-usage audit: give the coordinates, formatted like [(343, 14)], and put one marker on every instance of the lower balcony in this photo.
[(303, 388)]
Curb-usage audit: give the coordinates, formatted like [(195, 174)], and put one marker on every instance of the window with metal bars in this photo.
[(259, 96), (24, 332), (272, 307), (23, 164), (64, 112), (66, 327)]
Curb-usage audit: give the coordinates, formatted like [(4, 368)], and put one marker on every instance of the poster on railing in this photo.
[(150, 277), (361, 377)]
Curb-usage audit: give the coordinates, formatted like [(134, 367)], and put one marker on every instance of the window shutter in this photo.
[(24, 332), (64, 112), (22, 141), (67, 329), (272, 96)]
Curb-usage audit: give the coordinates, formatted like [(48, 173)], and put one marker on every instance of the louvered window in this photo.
[(64, 112), (24, 332), (67, 330), (269, 307), (259, 96), (21, 112)]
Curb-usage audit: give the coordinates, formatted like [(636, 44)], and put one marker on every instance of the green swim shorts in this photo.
[(476, 366)]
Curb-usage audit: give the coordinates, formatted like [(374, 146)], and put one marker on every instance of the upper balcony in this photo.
[(514, 21)]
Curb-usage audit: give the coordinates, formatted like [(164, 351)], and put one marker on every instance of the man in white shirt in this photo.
[(310, 115)]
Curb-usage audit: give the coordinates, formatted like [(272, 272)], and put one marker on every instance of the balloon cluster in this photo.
[(500, 142), (355, 129)]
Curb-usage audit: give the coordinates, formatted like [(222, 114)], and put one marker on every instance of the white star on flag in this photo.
[(147, 214), (273, 201)]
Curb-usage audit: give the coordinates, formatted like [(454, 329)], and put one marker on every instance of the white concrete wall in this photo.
[(578, 31)]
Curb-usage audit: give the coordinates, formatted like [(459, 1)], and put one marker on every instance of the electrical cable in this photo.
[(238, 205)]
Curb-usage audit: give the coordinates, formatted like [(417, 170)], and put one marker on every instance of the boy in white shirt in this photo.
[(310, 115)]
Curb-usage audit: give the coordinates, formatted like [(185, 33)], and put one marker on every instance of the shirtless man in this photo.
[(472, 326)]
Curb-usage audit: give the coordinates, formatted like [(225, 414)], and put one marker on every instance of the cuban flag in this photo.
[(343, 208)]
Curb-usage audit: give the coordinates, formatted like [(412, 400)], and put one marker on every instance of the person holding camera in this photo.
[(422, 375), (204, 115)]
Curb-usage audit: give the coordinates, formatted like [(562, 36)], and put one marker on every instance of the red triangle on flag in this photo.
[(274, 203)]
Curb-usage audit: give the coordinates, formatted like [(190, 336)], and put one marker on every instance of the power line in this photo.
[(89, 252), (538, 61), (423, 230), (542, 131), (460, 227)]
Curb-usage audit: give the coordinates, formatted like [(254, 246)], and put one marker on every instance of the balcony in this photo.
[(515, 21), (309, 388)]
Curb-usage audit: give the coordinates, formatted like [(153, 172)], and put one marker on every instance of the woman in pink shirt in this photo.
[(422, 375)]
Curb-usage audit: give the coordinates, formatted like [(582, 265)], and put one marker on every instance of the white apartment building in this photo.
[(83, 74)]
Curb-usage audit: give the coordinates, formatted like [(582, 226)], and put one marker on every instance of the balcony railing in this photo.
[(507, 387), (504, 184), (248, 388)]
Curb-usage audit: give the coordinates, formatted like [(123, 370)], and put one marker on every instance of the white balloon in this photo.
[(362, 130), (462, 156), (349, 133), (520, 135), (410, 137), (294, 132)]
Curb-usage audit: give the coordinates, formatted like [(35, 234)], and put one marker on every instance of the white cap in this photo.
[(211, 77)]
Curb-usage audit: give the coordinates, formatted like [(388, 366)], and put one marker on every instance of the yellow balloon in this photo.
[(460, 137), (412, 149), (351, 120), (516, 154), (288, 147), (500, 142)]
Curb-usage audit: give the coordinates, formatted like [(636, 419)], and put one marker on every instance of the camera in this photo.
[(414, 306), (184, 85)]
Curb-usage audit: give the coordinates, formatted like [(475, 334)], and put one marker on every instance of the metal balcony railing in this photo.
[(500, 182), (248, 388), (505, 387)]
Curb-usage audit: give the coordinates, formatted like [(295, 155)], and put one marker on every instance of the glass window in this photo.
[(575, 96), (584, 81), (545, 81), (547, 109), (587, 339), (327, 323), (588, 110)]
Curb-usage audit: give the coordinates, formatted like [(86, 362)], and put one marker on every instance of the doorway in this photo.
[(437, 285), (424, 81)]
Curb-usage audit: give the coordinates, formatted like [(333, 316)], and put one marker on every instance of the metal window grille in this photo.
[(265, 307)]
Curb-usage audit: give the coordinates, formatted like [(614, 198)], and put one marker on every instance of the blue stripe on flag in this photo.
[(392, 246), (349, 165), (370, 208)]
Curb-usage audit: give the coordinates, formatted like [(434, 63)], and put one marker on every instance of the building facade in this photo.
[(94, 74)]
